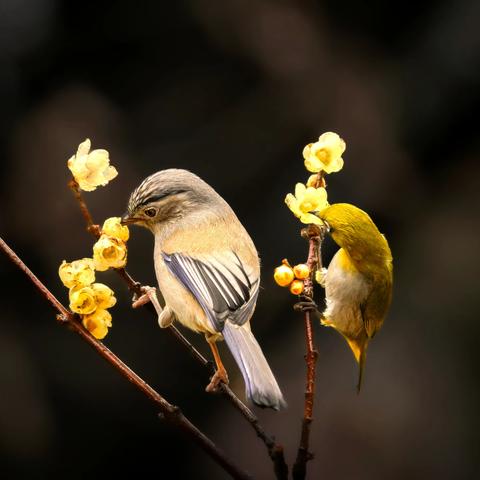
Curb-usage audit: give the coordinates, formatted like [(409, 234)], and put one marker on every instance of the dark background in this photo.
[(233, 90)]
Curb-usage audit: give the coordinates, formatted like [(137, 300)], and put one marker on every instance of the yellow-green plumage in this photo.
[(358, 282)]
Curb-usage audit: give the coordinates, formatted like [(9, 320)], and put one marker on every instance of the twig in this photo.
[(275, 451), (169, 412), (314, 234)]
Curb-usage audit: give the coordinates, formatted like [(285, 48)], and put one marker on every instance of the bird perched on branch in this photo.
[(358, 281), (208, 272)]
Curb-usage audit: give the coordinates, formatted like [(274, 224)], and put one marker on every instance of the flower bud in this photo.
[(283, 275), (113, 228), (296, 287), (301, 271)]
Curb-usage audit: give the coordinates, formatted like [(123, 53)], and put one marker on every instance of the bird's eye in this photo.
[(150, 212)]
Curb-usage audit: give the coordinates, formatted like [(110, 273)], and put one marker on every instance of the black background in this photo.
[(233, 90)]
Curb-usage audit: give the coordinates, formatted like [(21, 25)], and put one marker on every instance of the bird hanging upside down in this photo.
[(358, 281), (208, 272)]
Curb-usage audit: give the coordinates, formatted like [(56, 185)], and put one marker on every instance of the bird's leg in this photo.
[(306, 304), (165, 315), (220, 374)]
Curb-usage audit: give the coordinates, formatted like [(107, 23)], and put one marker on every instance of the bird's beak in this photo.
[(128, 220)]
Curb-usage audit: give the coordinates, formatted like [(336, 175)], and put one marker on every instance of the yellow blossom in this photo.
[(109, 252), (114, 228), (97, 323), (79, 272), (104, 296), (306, 200), (91, 168), (326, 154), (82, 300)]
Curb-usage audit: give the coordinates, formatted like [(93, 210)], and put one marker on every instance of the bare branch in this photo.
[(169, 412), (314, 234)]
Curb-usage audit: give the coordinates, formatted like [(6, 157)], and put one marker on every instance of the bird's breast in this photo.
[(346, 289)]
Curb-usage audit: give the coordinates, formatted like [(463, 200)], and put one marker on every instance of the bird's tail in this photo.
[(260, 384), (359, 348)]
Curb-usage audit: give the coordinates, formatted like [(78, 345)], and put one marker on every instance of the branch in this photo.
[(314, 234), (275, 451), (168, 411)]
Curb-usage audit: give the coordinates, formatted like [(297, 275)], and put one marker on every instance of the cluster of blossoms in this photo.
[(321, 157), (292, 277), (87, 298), (91, 169)]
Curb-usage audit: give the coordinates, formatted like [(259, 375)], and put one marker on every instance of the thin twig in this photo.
[(169, 412), (314, 234), (275, 450)]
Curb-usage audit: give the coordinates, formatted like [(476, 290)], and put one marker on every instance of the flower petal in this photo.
[(293, 204), (310, 218), (84, 148)]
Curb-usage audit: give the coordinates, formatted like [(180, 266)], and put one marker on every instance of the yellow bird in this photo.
[(358, 281)]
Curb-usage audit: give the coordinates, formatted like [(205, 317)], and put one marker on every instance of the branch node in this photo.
[(61, 318), (95, 230)]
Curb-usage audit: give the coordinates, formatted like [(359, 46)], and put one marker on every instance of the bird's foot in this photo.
[(147, 292), (220, 376), (306, 304)]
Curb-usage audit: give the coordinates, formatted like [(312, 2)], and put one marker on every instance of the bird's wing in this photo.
[(376, 306), (222, 285)]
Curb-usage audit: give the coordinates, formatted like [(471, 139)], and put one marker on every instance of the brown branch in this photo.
[(314, 234), (169, 412), (275, 451)]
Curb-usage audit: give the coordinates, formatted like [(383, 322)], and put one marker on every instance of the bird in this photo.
[(358, 281), (208, 272)]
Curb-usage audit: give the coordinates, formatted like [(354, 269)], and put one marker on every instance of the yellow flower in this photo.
[(104, 296), (109, 252), (79, 272), (91, 168), (326, 154), (82, 300), (306, 200), (113, 228), (97, 323)]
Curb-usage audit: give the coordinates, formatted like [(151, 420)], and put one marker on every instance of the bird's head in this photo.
[(168, 196), (352, 229)]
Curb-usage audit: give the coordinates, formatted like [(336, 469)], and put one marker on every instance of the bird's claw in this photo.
[(220, 376), (147, 292), (306, 304)]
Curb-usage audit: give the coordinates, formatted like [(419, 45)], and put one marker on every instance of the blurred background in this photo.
[(233, 90)]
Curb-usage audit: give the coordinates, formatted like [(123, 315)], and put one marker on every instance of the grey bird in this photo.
[(208, 272)]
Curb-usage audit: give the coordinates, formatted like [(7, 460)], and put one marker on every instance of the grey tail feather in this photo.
[(260, 384)]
